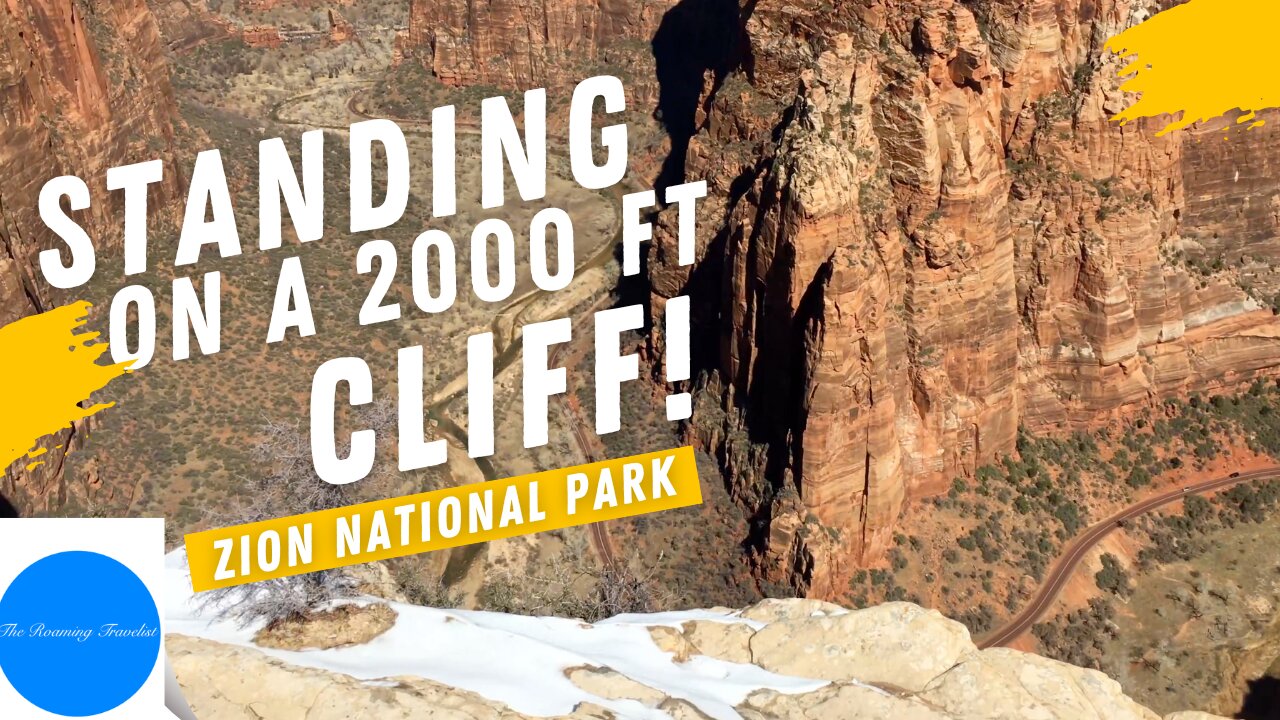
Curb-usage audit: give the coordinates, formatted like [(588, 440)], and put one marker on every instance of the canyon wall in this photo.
[(923, 203), (83, 87), (526, 43), (926, 204)]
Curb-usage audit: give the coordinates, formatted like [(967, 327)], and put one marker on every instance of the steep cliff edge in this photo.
[(777, 659), (83, 87), (926, 203)]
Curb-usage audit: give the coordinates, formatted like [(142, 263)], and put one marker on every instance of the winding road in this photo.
[(597, 532), (1079, 547)]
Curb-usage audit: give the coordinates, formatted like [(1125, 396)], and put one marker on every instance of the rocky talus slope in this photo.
[(892, 661), (83, 87), (925, 201)]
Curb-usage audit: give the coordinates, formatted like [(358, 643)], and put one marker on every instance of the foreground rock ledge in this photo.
[(894, 661)]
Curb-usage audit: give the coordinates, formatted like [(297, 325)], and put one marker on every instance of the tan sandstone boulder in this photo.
[(895, 644)]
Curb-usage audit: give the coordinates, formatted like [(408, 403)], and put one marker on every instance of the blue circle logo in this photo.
[(79, 634)]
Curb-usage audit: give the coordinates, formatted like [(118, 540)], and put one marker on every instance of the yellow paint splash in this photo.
[(1203, 59), (47, 369), (35, 454)]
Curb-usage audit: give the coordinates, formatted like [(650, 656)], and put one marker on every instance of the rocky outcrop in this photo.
[(925, 201), (534, 43), (892, 661), (262, 36), (223, 681), (185, 25), (340, 29), (188, 25), (83, 87), (1250, 662)]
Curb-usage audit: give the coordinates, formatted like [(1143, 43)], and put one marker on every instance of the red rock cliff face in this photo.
[(83, 87), (922, 232), (528, 43)]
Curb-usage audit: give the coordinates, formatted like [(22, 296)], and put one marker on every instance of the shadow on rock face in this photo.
[(1261, 700), (694, 37), (7, 510)]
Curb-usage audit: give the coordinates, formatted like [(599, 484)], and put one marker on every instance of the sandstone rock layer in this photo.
[(926, 204), (83, 87)]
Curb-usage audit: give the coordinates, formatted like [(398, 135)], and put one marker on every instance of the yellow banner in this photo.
[(455, 516)]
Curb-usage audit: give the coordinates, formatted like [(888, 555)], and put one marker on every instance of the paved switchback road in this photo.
[(598, 532), (1080, 546)]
